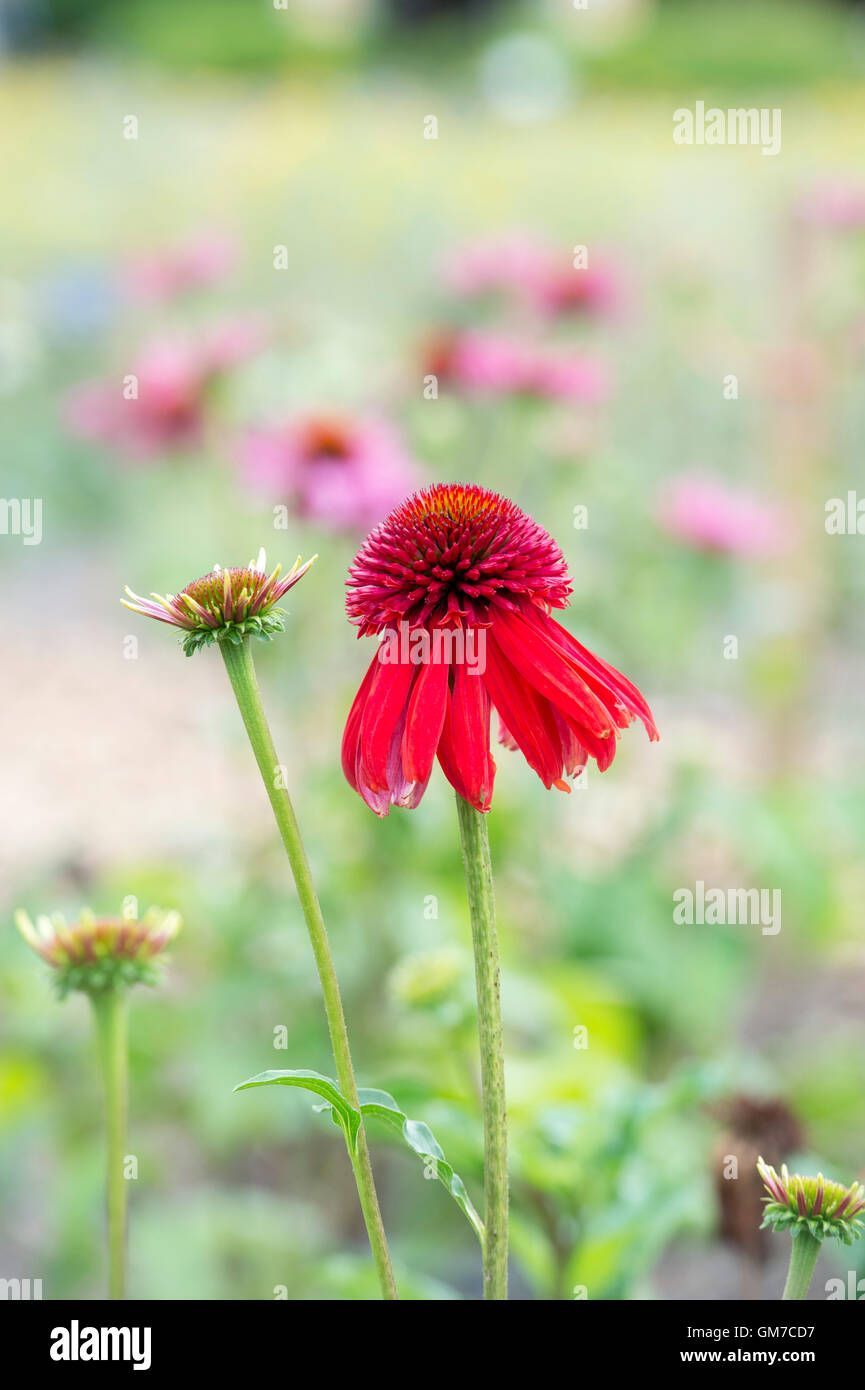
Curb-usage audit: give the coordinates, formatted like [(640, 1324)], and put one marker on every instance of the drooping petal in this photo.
[(425, 717), (405, 790), (574, 753), (608, 683), (351, 736), (546, 666), (385, 704), (464, 747), (528, 717)]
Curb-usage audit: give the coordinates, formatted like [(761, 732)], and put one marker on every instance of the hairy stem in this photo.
[(241, 673), (479, 886)]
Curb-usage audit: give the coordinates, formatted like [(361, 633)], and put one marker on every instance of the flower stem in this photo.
[(479, 886), (803, 1258), (109, 1012), (241, 673)]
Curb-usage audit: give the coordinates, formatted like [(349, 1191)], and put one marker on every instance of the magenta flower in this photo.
[(496, 364), (706, 514), (163, 409), (194, 264), (486, 362), (533, 273), (594, 290), (344, 473)]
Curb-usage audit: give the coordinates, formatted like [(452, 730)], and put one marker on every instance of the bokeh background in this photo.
[(284, 257)]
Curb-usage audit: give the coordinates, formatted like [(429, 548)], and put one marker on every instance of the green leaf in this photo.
[(343, 1114), (381, 1106), (421, 1139)]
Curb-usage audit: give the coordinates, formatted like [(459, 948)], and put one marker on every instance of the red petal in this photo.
[(470, 732), (608, 683), (351, 736), (385, 704), (574, 754), (426, 715), (545, 665), (528, 717)]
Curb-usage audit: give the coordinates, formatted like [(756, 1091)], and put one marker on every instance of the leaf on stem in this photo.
[(379, 1105), (343, 1114)]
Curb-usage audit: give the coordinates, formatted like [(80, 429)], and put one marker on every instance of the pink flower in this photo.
[(488, 362), (344, 472), (836, 204), (159, 405), (535, 273), (193, 264), (509, 265), (704, 513), (496, 364), (569, 377), (565, 289)]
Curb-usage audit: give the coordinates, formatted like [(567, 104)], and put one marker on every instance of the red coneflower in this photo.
[(462, 581)]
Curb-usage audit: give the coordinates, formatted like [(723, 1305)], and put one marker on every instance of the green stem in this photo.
[(241, 673), (479, 885), (109, 1012), (803, 1258)]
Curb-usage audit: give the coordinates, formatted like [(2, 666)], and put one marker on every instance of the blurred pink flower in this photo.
[(836, 204), (347, 473), (194, 264), (163, 409), (534, 272), (497, 364), (508, 264), (705, 513), (568, 377), (487, 362), (568, 290)]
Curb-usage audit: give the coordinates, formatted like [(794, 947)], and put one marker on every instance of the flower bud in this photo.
[(822, 1207), (225, 605), (100, 953)]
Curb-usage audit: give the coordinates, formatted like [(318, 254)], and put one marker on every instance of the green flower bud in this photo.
[(821, 1207), (100, 953)]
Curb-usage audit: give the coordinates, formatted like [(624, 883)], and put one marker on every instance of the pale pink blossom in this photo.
[(499, 364), (488, 362), (507, 264), (194, 264), (836, 204), (705, 513), (566, 289), (344, 472), (534, 273), (159, 403), (569, 377)]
